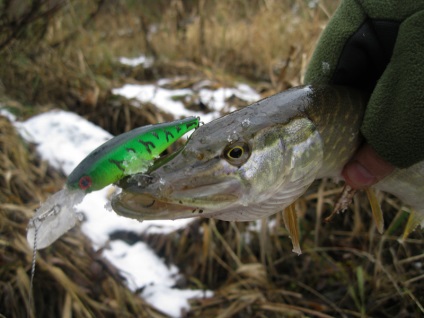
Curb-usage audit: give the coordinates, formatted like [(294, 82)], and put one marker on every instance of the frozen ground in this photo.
[(64, 139)]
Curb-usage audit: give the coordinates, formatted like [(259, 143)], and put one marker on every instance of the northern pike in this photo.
[(256, 161)]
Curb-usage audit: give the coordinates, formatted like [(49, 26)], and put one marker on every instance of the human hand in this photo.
[(378, 47), (366, 168)]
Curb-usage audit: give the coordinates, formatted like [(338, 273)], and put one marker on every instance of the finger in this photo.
[(366, 168)]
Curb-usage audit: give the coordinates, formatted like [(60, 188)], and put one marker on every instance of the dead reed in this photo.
[(346, 269), (72, 279)]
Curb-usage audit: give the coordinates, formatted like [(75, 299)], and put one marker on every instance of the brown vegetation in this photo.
[(63, 54)]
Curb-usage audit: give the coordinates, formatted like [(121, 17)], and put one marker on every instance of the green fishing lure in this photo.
[(127, 154)]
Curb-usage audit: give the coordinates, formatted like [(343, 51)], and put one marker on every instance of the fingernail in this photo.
[(357, 176)]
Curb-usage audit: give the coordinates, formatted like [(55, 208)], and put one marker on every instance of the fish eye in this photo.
[(237, 153), (85, 182)]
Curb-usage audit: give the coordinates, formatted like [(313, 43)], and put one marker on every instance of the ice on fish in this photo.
[(245, 123), (133, 164), (233, 137), (54, 218)]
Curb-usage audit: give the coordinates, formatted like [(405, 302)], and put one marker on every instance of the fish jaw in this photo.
[(179, 194), (144, 206)]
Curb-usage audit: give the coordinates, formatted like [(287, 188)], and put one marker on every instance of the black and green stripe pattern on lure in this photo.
[(127, 154)]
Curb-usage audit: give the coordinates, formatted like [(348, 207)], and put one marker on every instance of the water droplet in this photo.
[(161, 185), (325, 67), (80, 216), (233, 137), (245, 123), (203, 140)]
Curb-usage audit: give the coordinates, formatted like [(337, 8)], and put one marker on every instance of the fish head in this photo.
[(231, 169)]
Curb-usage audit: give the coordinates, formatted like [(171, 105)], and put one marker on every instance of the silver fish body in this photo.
[(256, 161)]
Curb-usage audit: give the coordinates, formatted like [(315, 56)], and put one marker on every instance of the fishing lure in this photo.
[(127, 154)]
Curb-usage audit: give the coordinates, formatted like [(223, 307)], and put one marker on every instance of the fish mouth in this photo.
[(151, 197)]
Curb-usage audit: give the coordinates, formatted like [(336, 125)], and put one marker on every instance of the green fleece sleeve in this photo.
[(379, 47)]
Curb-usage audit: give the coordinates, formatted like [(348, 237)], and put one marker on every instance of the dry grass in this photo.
[(73, 56), (257, 42), (347, 269), (72, 280)]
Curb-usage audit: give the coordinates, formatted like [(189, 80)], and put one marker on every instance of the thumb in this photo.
[(366, 168)]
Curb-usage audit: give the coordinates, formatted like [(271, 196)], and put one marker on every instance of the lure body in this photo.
[(127, 154)]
